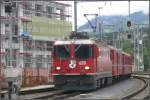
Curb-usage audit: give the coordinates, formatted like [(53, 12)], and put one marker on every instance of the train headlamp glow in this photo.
[(87, 67), (58, 68)]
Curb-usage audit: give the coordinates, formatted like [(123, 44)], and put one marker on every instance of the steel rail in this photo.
[(138, 91), (62, 95), (66, 95)]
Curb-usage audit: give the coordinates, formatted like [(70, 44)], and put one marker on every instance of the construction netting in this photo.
[(53, 21)]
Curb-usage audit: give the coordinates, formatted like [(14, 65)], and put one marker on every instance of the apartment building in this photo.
[(28, 30)]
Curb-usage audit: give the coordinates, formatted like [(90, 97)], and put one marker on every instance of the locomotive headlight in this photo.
[(58, 68), (87, 67)]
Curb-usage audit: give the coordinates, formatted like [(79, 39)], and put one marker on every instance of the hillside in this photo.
[(137, 17)]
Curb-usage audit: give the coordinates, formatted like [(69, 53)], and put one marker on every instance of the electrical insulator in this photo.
[(128, 23)]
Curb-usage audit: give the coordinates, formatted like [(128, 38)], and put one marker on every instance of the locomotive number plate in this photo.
[(82, 62)]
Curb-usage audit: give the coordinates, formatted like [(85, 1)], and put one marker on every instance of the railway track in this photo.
[(42, 95), (67, 94), (143, 77), (62, 94)]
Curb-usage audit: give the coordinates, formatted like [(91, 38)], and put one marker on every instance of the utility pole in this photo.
[(138, 47), (134, 50), (149, 47), (75, 16), (100, 23), (99, 8)]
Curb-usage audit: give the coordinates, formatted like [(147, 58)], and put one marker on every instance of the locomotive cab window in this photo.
[(83, 51), (62, 51)]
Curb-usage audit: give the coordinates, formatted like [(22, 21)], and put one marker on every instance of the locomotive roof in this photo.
[(77, 41), (83, 41)]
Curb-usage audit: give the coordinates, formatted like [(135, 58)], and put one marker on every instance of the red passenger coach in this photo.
[(83, 64)]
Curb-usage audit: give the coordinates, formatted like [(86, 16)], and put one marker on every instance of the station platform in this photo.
[(27, 90), (40, 88), (37, 87)]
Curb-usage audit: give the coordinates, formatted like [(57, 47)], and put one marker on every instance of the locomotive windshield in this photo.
[(62, 51), (83, 51)]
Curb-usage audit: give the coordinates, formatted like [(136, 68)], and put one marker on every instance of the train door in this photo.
[(120, 64), (96, 58), (100, 59), (115, 63), (123, 63), (112, 60)]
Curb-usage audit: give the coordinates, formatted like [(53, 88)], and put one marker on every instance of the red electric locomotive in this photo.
[(83, 64)]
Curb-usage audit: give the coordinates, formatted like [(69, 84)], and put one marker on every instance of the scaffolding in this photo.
[(18, 48), (20, 19)]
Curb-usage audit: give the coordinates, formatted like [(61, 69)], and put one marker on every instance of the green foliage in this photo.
[(146, 58), (146, 50), (128, 47)]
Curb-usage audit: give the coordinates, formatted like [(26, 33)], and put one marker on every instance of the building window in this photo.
[(39, 45), (11, 58), (39, 9), (48, 61), (49, 11), (27, 60), (39, 61), (27, 44), (60, 13), (49, 46), (27, 8)]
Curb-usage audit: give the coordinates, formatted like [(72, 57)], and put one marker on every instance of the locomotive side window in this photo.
[(83, 51), (62, 51), (108, 54), (101, 53), (126, 60)]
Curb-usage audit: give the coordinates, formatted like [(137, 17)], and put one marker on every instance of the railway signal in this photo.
[(129, 23)]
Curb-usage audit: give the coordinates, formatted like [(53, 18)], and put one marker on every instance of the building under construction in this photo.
[(27, 32)]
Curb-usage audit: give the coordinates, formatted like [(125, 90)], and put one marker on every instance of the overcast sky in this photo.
[(109, 8)]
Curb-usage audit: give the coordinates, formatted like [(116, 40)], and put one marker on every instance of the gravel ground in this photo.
[(114, 91)]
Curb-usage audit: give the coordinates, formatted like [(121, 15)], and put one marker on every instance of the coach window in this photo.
[(108, 54), (100, 53), (105, 53), (126, 60)]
